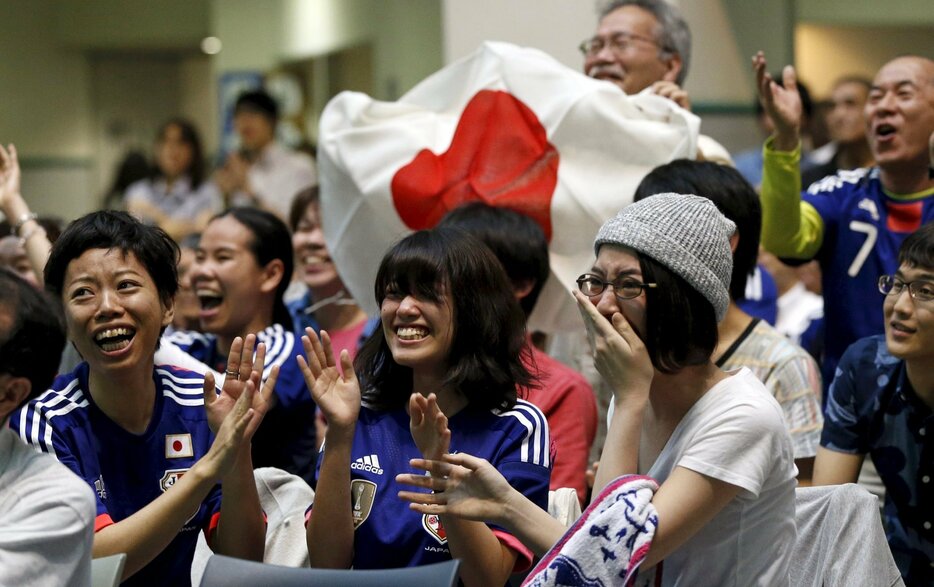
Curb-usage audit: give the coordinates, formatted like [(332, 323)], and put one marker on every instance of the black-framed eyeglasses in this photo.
[(625, 288), (618, 43), (922, 291)]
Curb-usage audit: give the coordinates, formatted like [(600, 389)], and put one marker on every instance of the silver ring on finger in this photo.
[(231, 373)]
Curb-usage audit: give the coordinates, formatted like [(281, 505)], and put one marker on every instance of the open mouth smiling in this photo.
[(114, 339), (884, 131), (411, 332), (209, 299)]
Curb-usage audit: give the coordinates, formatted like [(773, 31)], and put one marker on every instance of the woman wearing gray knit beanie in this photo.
[(715, 442)]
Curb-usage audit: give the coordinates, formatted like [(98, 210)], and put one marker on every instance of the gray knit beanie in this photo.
[(686, 234)]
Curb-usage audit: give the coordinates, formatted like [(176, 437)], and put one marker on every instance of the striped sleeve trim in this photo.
[(280, 345), (184, 339), (181, 390), (35, 426), (536, 444)]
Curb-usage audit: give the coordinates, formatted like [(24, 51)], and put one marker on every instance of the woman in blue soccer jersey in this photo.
[(151, 440), (243, 265), (439, 376), (714, 441)]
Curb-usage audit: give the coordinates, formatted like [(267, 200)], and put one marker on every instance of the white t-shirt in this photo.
[(735, 433), (46, 518), (277, 176)]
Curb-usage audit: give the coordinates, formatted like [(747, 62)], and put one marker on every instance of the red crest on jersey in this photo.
[(432, 524)]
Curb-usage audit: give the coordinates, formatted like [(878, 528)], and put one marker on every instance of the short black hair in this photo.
[(111, 229), (31, 346), (271, 240), (680, 323), (918, 249), (258, 101), (517, 241), (733, 196), (485, 363)]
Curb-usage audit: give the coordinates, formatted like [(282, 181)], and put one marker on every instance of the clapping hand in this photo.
[(429, 426), (462, 485), (336, 393), (243, 368)]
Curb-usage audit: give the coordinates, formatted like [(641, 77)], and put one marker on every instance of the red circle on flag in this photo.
[(177, 446), (499, 155)]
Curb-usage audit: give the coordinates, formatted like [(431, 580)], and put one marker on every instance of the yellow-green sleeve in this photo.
[(791, 228)]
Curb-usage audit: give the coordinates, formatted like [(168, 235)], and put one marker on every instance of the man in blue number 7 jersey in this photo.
[(855, 221)]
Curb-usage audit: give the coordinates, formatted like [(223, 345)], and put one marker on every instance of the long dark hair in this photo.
[(190, 136), (485, 361), (271, 240)]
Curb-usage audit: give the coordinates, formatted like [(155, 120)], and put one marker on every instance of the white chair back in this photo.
[(107, 571), (840, 539)]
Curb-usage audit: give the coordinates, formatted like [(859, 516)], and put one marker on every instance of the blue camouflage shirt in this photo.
[(873, 409)]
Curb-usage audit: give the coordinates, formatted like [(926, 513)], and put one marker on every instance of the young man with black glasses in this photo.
[(881, 404)]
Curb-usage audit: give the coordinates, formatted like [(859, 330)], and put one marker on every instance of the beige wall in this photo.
[(140, 24), (44, 88), (722, 49), (824, 53)]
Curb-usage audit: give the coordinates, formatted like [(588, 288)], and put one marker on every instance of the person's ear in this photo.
[(168, 312), (272, 276), (673, 66), (523, 288), (13, 392), (734, 241)]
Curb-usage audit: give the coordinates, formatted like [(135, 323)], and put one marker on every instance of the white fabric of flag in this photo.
[(506, 125)]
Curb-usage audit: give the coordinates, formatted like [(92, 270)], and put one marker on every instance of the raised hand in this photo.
[(429, 426), (243, 368), (9, 174), (338, 395), (781, 102), (463, 485), (619, 354), (234, 432)]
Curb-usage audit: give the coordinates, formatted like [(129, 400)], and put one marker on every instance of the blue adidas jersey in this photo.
[(125, 470), (387, 533), (863, 230), (761, 296), (286, 438)]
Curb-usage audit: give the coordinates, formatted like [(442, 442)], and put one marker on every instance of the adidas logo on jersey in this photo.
[(369, 464)]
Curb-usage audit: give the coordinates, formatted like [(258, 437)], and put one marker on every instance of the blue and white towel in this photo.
[(606, 545)]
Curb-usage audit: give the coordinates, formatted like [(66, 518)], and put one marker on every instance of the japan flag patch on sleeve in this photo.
[(178, 446)]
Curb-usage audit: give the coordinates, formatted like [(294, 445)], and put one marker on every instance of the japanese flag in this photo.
[(178, 446), (508, 126)]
